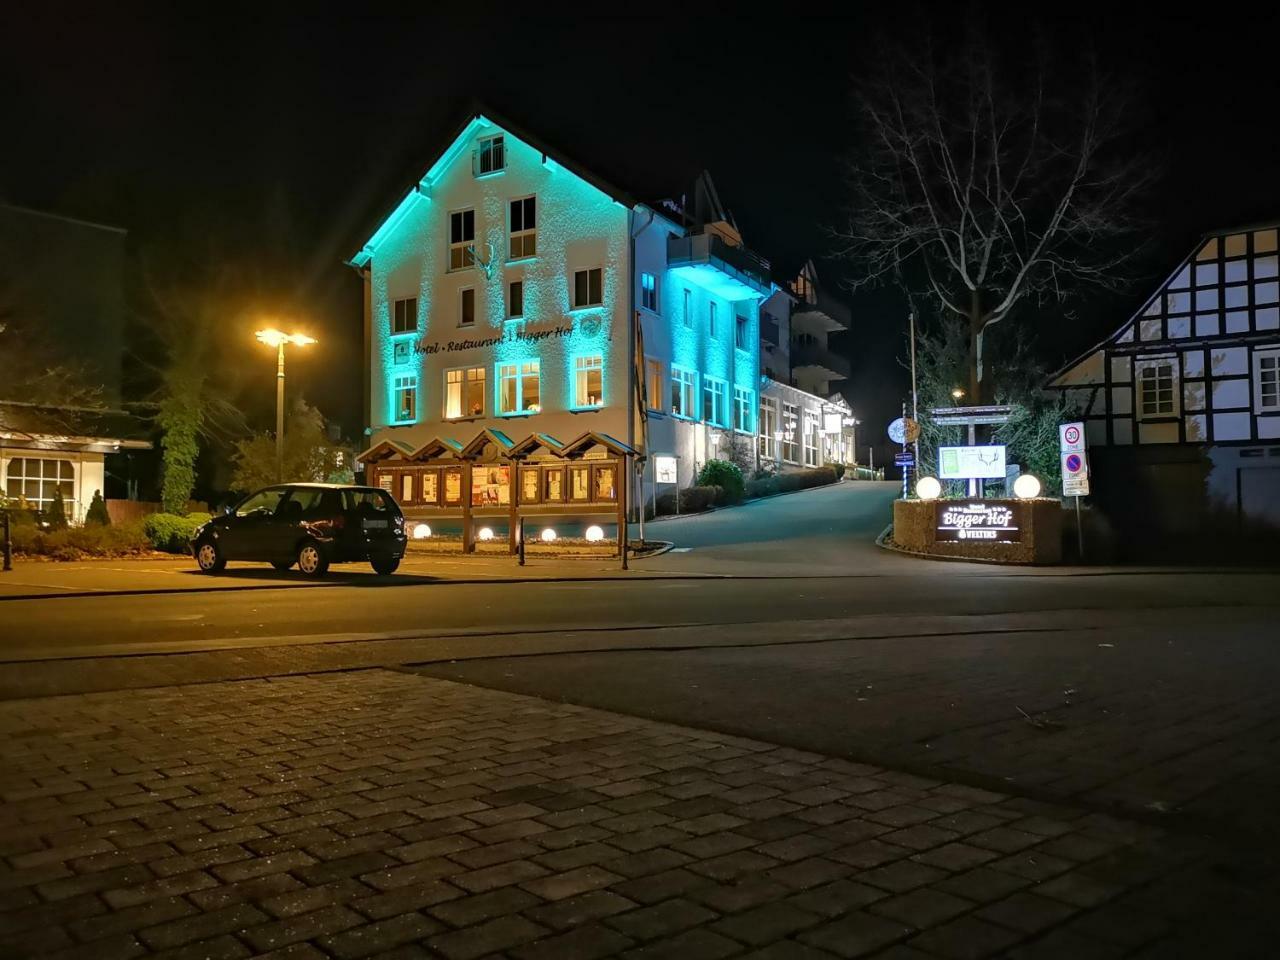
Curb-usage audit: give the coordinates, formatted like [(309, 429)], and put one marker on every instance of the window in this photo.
[(711, 320), (405, 317), (1266, 380), (518, 388), (744, 402), (687, 316), (649, 292), (522, 228), (264, 502), (406, 390), (529, 484), (462, 239), (430, 486), (464, 393), (466, 306), (1157, 396), (810, 439), (580, 483), (588, 288), (605, 483), (683, 385), (515, 300), (36, 481), (491, 155), (653, 384), (553, 485), (588, 380), (406, 487), (713, 401), (740, 330), (769, 429), (790, 426)]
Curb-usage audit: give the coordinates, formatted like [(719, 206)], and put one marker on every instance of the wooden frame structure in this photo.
[(493, 476)]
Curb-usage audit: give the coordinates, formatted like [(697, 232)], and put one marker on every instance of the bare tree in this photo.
[(985, 180)]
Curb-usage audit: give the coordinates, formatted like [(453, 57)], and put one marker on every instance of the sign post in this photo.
[(1075, 471), (904, 430)]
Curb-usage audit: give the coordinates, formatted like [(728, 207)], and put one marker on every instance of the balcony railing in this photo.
[(815, 355), (737, 264)]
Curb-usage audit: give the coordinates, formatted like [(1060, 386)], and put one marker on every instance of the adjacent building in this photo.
[(515, 291), (1182, 403), (47, 448)]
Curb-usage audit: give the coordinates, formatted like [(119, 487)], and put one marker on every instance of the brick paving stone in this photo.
[(856, 934), (464, 911), (956, 856), (733, 865), (130, 919), (967, 938), (377, 937), (1032, 865), (217, 948), (304, 926), (646, 862), (766, 923), (575, 911), (584, 943), (922, 908), (305, 899), (1078, 889), (500, 875), (690, 945), (740, 895), (478, 856), (215, 898), (901, 876), (500, 933), (202, 926), (788, 950), (1004, 839), (982, 885), (571, 883), (1027, 911), (121, 946), (1064, 945), (812, 872), (661, 920), (868, 854)]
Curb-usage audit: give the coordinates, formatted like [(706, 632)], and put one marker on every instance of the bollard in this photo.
[(521, 535)]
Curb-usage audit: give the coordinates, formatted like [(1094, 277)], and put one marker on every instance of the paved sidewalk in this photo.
[(379, 813)]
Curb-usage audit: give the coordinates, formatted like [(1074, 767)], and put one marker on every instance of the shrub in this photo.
[(723, 474), (56, 515), (97, 515), (692, 500), (839, 469), (762, 487), (76, 543), (172, 533)]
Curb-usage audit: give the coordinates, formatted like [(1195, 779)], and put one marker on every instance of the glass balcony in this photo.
[(817, 356), (732, 273)]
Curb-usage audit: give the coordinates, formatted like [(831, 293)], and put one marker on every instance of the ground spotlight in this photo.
[(928, 488), (548, 535), (421, 531), (486, 533), (1026, 487), (594, 534)]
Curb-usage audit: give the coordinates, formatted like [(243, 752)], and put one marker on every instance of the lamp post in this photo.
[(274, 338)]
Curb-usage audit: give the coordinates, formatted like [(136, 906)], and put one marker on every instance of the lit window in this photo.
[(649, 292), (741, 329), (464, 393), (790, 427), (713, 401), (406, 393), (683, 390), (711, 320), (810, 439), (769, 429), (36, 480), (1157, 396), (515, 299), (688, 309), (518, 388), (522, 227), (491, 155), (653, 384), (588, 390), (462, 239), (1266, 379), (466, 306), (588, 288), (405, 316), (744, 402)]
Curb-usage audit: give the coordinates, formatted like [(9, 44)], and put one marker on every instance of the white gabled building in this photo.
[(512, 289), (1182, 403)]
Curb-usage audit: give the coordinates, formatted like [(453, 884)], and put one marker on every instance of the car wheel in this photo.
[(384, 565), (312, 560), (209, 558), (282, 564)]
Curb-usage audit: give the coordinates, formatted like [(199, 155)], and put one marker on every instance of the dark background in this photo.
[(274, 143)]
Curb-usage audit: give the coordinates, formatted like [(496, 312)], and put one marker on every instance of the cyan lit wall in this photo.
[(578, 227)]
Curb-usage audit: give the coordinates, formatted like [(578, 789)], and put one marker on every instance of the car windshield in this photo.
[(370, 501), (265, 501)]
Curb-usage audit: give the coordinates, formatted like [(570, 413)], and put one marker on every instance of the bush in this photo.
[(692, 500), (762, 487), (172, 533), (56, 515), (97, 514), (77, 543), (723, 474), (838, 468)]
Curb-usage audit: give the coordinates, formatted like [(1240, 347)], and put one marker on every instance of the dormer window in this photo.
[(491, 155)]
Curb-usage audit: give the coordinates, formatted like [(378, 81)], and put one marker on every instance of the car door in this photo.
[(245, 532)]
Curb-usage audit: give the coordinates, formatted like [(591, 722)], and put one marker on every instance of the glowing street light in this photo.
[(275, 338), (957, 393)]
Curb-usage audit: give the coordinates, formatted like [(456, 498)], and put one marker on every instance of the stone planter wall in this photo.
[(1039, 522)]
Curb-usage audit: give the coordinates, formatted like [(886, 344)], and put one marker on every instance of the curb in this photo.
[(746, 503)]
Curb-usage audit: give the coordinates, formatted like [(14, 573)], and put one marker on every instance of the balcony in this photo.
[(769, 333), (818, 357), (731, 273)]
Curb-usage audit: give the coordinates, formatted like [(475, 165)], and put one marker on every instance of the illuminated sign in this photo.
[(989, 520), (971, 463), (664, 469)]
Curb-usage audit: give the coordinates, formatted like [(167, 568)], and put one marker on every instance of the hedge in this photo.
[(723, 474), (77, 543), (172, 533), (692, 500)]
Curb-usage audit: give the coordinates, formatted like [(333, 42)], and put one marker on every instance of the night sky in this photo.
[(275, 143)]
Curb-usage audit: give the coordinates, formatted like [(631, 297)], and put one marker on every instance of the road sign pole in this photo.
[(1079, 530)]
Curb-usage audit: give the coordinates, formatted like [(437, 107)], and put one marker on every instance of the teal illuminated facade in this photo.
[(510, 285)]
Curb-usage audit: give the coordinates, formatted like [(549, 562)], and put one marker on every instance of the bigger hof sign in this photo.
[(969, 520)]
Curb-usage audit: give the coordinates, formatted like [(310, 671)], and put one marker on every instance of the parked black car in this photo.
[(310, 524)]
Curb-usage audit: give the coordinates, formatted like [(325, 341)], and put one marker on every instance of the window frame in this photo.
[(1271, 354), (810, 438), (466, 247), (396, 329), (741, 331), (688, 392), (718, 392), (573, 288), (582, 373), (463, 323), (712, 320), (512, 314), (402, 383), (1140, 389), (688, 308), (519, 375), (654, 383), (790, 437), (43, 482), (768, 438), (524, 233), (465, 382), (489, 140), (744, 399), (649, 292)]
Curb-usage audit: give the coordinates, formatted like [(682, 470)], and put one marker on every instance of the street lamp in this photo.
[(957, 393), (274, 338)]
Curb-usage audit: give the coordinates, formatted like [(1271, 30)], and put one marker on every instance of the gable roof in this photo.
[(476, 117)]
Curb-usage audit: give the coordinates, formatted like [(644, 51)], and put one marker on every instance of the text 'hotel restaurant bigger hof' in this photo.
[(514, 291)]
